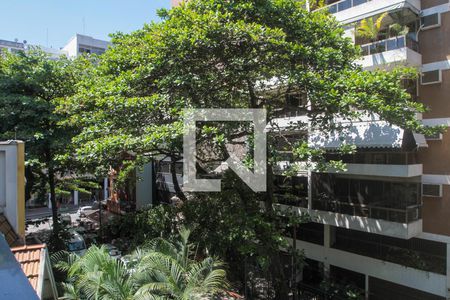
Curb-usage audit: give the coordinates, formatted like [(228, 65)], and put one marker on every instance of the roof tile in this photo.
[(29, 258)]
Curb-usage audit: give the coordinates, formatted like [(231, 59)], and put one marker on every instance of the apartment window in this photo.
[(430, 21), (432, 190), (431, 77), (434, 137)]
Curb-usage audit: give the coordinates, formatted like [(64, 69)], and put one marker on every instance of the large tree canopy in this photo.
[(230, 54), (227, 54), (32, 86)]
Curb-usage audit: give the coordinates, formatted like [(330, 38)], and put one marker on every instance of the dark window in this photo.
[(431, 77), (430, 20), (435, 136), (346, 4), (433, 190)]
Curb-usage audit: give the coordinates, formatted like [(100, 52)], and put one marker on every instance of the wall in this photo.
[(144, 187), (435, 50), (12, 186)]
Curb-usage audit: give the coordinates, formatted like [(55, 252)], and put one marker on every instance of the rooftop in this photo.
[(29, 258)]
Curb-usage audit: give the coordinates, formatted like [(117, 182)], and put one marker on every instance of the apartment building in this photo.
[(77, 45), (384, 224)]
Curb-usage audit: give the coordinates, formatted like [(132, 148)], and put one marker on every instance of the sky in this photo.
[(53, 22)]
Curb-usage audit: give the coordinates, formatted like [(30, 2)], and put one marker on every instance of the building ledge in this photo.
[(369, 225), (349, 11), (389, 59), (429, 282), (382, 170)]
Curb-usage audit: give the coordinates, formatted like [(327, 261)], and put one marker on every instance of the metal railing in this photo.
[(398, 42), (398, 215), (344, 5), (420, 260)]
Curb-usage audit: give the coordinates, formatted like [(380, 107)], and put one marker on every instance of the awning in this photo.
[(374, 134), (374, 8)]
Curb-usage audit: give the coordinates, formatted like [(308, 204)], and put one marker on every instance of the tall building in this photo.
[(78, 44), (384, 224)]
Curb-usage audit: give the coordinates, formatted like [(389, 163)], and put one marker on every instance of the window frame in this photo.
[(431, 82), (431, 26), (431, 138), (435, 196)]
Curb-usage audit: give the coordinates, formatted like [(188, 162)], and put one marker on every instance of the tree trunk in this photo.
[(52, 184), (176, 185)]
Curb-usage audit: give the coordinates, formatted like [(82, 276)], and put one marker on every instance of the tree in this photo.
[(232, 54), (161, 270), (31, 87)]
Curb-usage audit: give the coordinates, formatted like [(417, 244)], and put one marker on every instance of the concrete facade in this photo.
[(12, 184)]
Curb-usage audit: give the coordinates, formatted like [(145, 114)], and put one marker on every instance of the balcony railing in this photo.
[(390, 250), (344, 5), (404, 215), (394, 43)]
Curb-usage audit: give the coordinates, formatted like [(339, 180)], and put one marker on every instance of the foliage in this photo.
[(370, 28), (31, 87), (141, 226), (230, 54), (161, 270)]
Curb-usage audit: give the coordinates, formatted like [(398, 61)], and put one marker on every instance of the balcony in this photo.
[(349, 11), (382, 170), (393, 51), (386, 207), (404, 215)]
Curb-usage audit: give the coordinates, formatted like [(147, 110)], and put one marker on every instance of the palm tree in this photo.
[(173, 271), (161, 270), (370, 28), (95, 275)]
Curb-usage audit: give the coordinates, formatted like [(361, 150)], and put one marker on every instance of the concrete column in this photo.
[(75, 198), (105, 188), (366, 296), (448, 271), (327, 229), (309, 190), (49, 202)]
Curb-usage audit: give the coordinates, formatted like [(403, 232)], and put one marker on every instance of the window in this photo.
[(434, 137), (430, 21), (431, 77), (431, 190)]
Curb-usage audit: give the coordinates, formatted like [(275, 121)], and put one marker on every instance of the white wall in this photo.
[(11, 193)]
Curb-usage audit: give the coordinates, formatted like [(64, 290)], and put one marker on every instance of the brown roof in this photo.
[(8, 231), (29, 258)]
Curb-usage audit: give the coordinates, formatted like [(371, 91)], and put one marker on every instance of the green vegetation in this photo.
[(159, 270), (32, 86), (126, 107)]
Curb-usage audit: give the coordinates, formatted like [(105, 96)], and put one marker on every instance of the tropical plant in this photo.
[(175, 271), (370, 28), (161, 270), (396, 29)]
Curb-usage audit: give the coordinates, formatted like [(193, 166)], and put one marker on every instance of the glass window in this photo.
[(332, 9), (344, 5), (431, 77), (430, 21), (432, 190), (434, 137), (358, 2)]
